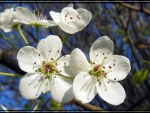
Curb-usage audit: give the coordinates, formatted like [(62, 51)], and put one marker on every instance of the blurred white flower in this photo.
[(101, 74), (71, 20), (29, 18), (4, 108), (45, 71), (6, 19)]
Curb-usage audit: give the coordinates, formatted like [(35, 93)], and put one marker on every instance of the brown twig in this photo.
[(136, 8), (88, 106)]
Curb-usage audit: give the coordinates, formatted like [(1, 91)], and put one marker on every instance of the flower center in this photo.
[(98, 71), (48, 68)]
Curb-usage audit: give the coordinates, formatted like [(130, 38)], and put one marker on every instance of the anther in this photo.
[(52, 59), (34, 62), (104, 67), (39, 54), (110, 67), (71, 18), (58, 51), (114, 78), (113, 64)]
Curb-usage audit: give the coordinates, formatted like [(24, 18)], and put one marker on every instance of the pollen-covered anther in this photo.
[(97, 67), (104, 67), (110, 67)]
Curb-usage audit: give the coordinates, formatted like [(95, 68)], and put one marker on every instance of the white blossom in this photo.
[(45, 71), (71, 20), (6, 19), (101, 75), (29, 18)]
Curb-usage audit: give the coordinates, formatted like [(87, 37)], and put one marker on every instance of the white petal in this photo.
[(31, 85), (85, 17), (29, 59), (7, 28), (84, 87), (78, 62), (21, 21), (25, 14), (55, 16), (4, 108), (101, 48), (63, 66), (111, 92), (47, 23), (117, 67), (68, 29), (67, 13), (61, 90), (50, 47), (70, 5), (5, 17)]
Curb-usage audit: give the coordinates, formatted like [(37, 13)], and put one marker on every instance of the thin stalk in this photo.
[(37, 33), (65, 38), (22, 35), (39, 102), (9, 74), (12, 45)]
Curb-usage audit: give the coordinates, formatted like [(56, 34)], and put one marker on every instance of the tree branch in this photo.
[(6, 60), (87, 106), (136, 8)]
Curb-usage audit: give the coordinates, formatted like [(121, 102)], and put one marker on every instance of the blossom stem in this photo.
[(22, 35), (39, 102), (8, 41), (65, 38), (37, 33), (9, 74)]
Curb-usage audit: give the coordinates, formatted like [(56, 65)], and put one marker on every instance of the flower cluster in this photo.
[(69, 76)]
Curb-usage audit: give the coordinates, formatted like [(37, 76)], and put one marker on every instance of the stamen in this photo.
[(89, 84), (85, 84), (91, 88), (48, 55), (33, 80), (39, 87)]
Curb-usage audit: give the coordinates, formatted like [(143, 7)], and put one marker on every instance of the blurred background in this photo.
[(127, 24)]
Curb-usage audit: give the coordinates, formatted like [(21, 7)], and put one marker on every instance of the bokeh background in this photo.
[(127, 24)]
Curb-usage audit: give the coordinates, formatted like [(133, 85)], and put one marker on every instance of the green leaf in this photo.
[(27, 106), (146, 61), (122, 33), (55, 105), (140, 76)]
